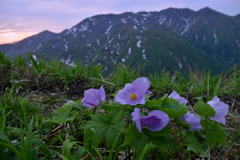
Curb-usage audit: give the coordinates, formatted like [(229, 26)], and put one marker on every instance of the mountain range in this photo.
[(174, 39)]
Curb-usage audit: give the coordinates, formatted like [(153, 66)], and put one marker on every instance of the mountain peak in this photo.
[(209, 11), (237, 16), (166, 39), (46, 32)]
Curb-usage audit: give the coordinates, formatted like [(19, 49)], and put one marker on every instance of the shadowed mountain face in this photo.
[(175, 39)]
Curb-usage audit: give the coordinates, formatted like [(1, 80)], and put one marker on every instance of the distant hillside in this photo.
[(175, 39), (28, 44)]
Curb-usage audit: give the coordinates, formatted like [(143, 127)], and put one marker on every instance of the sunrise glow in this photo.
[(11, 36)]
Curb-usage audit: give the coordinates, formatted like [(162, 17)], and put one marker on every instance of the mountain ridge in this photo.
[(121, 38)]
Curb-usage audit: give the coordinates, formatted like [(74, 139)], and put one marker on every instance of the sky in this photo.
[(22, 18)]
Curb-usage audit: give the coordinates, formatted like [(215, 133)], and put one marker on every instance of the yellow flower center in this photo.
[(133, 96)]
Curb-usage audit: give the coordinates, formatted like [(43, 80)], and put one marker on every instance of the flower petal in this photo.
[(176, 96), (192, 120), (149, 92), (91, 97), (141, 86), (123, 96), (214, 101), (156, 120), (84, 103), (101, 94), (221, 110), (139, 100), (136, 117)]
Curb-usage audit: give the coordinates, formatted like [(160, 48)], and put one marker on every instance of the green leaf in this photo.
[(43, 147), (4, 137), (204, 109), (78, 153), (145, 151), (154, 102), (194, 145), (64, 114), (173, 108), (160, 139), (214, 133), (164, 132), (105, 127)]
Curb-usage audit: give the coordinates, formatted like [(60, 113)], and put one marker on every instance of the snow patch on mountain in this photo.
[(74, 29), (180, 64), (238, 43), (135, 20), (187, 26), (215, 37), (139, 43), (124, 20), (35, 57), (170, 22), (110, 41), (68, 62), (144, 28), (108, 29), (146, 14), (196, 37), (68, 31), (40, 45), (66, 45), (162, 19), (83, 27), (94, 58), (144, 55), (129, 50)]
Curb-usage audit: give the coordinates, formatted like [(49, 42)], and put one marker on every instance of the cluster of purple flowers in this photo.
[(133, 94)]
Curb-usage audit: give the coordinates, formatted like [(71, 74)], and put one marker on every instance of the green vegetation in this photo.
[(41, 115)]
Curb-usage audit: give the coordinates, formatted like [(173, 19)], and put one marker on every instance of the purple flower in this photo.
[(221, 110), (93, 97), (134, 93), (192, 120), (155, 121), (176, 96)]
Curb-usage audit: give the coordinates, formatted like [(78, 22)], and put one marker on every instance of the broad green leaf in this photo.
[(194, 145), (164, 132), (161, 139), (204, 109), (106, 127), (64, 114), (173, 108), (132, 135), (214, 133), (154, 102)]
